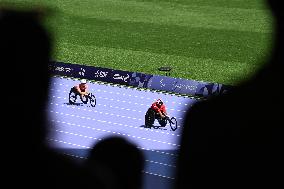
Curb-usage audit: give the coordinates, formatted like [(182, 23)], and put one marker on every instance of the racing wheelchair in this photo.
[(73, 94), (151, 115)]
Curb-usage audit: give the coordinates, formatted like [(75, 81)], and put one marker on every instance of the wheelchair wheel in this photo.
[(173, 124), (92, 100), (84, 99), (72, 96), (162, 122), (149, 118)]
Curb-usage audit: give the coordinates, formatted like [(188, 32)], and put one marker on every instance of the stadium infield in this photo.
[(216, 41)]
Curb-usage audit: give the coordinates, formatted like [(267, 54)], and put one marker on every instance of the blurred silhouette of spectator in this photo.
[(240, 142), (25, 54), (119, 162)]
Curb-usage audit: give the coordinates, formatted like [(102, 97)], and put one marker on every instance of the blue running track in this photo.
[(120, 111)]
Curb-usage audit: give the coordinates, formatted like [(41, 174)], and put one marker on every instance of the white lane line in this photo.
[(88, 147), (117, 107), (111, 123), (69, 143), (147, 161), (135, 96), (75, 156), (80, 157), (157, 151), (75, 134), (158, 175), (114, 132), (95, 111), (164, 164), (129, 102)]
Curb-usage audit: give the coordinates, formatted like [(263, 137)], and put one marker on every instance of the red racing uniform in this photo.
[(157, 109)]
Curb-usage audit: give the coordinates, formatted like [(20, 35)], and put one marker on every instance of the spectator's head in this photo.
[(25, 53), (123, 160)]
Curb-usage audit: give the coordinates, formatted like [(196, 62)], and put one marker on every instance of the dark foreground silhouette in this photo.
[(236, 140)]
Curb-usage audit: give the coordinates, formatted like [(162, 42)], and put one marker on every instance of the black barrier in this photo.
[(136, 79), (91, 73), (184, 86), (139, 79)]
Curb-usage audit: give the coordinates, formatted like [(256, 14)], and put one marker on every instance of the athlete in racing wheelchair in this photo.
[(80, 89), (156, 111)]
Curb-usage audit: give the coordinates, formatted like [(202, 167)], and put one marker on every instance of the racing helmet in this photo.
[(160, 102), (83, 81)]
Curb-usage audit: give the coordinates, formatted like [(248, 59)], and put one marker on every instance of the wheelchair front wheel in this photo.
[(92, 99), (173, 123)]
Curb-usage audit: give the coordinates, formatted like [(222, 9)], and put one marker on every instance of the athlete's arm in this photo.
[(86, 90), (161, 114), (163, 109), (165, 112), (79, 90)]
